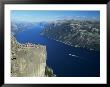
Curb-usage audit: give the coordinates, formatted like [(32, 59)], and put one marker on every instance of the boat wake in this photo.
[(73, 55)]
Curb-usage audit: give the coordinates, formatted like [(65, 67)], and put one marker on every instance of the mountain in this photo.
[(29, 60), (77, 33), (23, 26)]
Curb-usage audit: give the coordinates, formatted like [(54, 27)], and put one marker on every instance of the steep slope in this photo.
[(28, 60), (77, 33)]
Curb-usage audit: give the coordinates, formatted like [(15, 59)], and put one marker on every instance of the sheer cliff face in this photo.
[(76, 33), (27, 60)]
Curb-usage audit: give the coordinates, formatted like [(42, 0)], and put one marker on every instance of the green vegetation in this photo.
[(29, 60), (77, 33), (49, 72)]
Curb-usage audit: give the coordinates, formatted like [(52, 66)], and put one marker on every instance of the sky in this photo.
[(50, 15)]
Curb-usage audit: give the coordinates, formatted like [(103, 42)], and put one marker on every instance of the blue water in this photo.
[(86, 64)]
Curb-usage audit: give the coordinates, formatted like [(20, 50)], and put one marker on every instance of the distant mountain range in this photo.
[(77, 33), (78, 18), (22, 26)]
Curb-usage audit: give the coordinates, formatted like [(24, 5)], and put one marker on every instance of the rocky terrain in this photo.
[(77, 33), (23, 26), (20, 26), (29, 60)]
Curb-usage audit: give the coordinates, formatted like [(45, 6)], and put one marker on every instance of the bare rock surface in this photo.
[(27, 60)]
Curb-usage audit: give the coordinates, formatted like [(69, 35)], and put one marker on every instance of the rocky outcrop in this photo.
[(27, 60), (77, 33)]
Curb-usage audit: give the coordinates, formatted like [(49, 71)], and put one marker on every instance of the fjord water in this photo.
[(85, 63)]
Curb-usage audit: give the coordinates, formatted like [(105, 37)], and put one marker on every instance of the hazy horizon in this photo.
[(52, 15)]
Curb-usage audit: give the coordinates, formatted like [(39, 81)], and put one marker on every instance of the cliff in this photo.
[(27, 60), (77, 33)]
